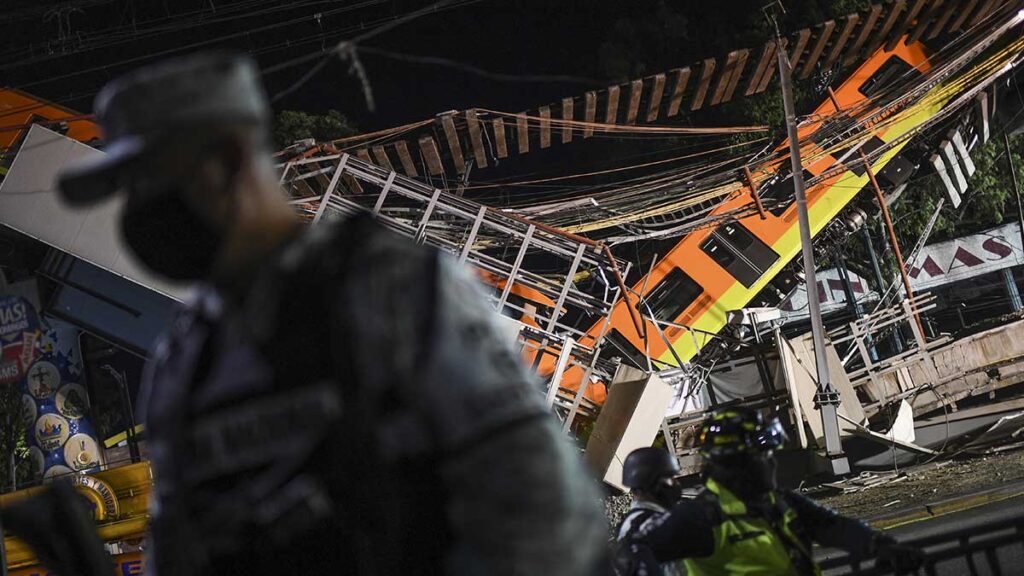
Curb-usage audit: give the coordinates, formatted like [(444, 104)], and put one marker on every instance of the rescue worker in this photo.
[(334, 399), (650, 474), (741, 523)]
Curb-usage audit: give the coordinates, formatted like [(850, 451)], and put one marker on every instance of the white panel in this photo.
[(957, 176), (951, 191), (29, 204), (630, 418), (961, 150), (981, 123), (830, 292), (802, 385)]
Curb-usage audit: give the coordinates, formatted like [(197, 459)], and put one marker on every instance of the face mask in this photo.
[(667, 493), (760, 469), (749, 476), (168, 236)]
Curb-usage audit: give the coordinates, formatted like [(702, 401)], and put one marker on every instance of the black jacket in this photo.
[(359, 414)]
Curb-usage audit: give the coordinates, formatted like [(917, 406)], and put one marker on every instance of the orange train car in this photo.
[(712, 271), (19, 110)]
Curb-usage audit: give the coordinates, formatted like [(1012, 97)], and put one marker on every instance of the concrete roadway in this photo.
[(1011, 557)]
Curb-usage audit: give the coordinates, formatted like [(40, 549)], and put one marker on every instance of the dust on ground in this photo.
[(930, 483)]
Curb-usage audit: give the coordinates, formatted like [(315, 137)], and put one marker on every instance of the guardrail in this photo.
[(993, 548)]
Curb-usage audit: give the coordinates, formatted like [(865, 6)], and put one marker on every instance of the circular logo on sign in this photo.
[(100, 495), (38, 461), (56, 471), (51, 431), (72, 400), (43, 379), (81, 452), (28, 410)]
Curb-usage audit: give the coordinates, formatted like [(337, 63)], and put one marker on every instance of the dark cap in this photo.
[(137, 108), (644, 467)]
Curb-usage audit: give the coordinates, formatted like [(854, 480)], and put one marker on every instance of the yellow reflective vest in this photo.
[(751, 545)]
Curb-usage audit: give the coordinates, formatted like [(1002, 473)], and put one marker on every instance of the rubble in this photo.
[(925, 484), (864, 496)]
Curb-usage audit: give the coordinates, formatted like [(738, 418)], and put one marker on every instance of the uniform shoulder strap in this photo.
[(633, 520)]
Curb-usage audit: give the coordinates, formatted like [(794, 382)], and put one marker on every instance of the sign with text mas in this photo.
[(963, 258)]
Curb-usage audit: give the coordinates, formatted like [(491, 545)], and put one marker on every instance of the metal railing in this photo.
[(511, 251), (992, 548)]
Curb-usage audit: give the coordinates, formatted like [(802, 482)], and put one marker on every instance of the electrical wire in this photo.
[(609, 170), (476, 71), (116, 36), (347, 48)]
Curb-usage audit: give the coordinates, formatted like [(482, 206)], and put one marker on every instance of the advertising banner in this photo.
[(963, 258), (43, 361), (830, 294)]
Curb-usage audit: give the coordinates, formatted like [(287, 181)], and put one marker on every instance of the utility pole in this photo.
[(826, 398), (1016, 189), (1011, 285)]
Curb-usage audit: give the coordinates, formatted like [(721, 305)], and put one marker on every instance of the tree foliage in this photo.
[(291, 126), (989, 201), (13, 448)]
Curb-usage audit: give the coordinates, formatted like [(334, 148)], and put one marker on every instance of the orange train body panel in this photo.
[(18, 110), (705, 288)]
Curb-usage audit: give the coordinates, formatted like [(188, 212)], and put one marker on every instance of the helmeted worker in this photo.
[(650, 474), (335, 399), (741, 523)]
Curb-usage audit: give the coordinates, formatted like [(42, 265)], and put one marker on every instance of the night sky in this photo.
[(65, 51)]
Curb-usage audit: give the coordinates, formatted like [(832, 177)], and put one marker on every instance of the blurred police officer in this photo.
[(334, 400), (741, 523), (650, 474)]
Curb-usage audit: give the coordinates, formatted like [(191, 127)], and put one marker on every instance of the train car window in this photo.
[(778, 195), (896, 172), (887, 74), (622, 345), (737, 235), (724, 256), (673, 295), (750, 247), (851, 157), (739, 252)]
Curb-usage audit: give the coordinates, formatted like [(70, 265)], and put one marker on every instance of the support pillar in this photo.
[(856, 308), (1011, 289), (826, 398)]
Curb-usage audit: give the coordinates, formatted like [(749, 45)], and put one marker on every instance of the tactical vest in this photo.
[(267, 444), (749, 544), (634, 521)]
